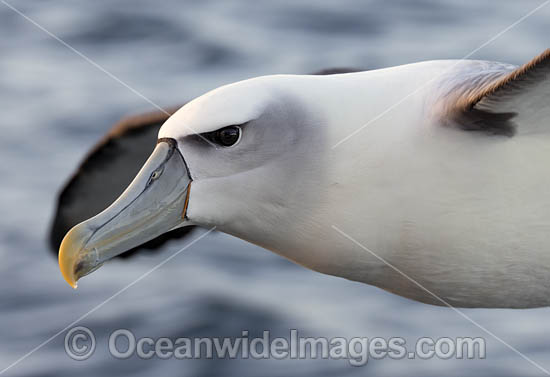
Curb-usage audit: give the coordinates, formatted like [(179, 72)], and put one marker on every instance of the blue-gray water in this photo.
[(55, 105)]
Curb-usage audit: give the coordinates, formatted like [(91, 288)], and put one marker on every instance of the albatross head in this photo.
[(236, 158)]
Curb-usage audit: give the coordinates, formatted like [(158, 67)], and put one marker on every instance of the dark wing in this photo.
[(109, 168), (515, 101)]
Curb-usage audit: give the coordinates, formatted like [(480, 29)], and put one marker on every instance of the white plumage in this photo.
[(438, 168)]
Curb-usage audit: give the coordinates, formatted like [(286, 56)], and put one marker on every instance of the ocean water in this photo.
[(55, 105)]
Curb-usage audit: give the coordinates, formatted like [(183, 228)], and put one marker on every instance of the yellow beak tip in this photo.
[(66, 268), (68, 253)]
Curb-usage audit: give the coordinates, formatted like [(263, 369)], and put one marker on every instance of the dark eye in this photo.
[(227, 136)]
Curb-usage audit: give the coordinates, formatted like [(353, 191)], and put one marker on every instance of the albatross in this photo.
[(428, 180)]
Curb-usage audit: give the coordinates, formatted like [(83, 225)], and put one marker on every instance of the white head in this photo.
[(242, 158)]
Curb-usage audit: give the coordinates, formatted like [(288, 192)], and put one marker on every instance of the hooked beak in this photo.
[(154, 203)]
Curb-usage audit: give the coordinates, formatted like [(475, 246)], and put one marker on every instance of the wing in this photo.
[(109, 168), (506, 101)]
